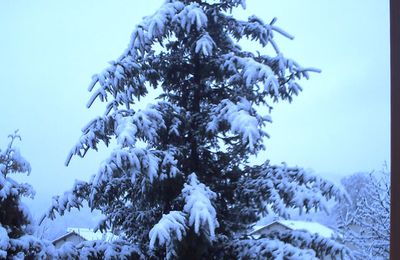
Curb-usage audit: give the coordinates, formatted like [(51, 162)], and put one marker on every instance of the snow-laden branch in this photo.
[(70, 199), (275, 76), (198, 205), (323, 246), (205, 45), (171, 226), (99, 250), (126, 126), (284, 187), (192, 16), (266, 248), (242, 119)]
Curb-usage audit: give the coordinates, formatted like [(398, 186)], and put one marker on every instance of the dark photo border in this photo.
[(395, 129)]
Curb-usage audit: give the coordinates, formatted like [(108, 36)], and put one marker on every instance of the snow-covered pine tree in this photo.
[(178, 183), (16, 240)]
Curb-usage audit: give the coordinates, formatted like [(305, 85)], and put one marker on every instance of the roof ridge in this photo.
[(66, 235)]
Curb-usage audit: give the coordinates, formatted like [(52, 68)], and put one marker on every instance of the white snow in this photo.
[(153, 27), (169, 162), (252, 72), (191, 15), (198, 205), (133, 160), (265, 248), (205, 45), (170, 225), (242, 119), (142, 124), (4, 242), (68, 251)]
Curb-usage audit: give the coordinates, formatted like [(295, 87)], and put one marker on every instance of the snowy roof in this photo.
[(68, 234), (311, 227), (89, 234)]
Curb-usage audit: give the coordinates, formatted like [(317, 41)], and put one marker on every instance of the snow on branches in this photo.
[(204, 127), (205, 45), (322, 246), (291, 244), (128, 162), (11, 160), (99, 249), (70, 199), (13, 210), (143, 124), (4, 242), (16, 239), (199, 207), (265, 248), (274, 76), (241, 118), (126, 126), (156, 26), (365, 222), (171, 225), (192, 16), (282, 188)]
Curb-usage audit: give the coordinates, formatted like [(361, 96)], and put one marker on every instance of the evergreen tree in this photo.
[(16, 240), (178, 184)]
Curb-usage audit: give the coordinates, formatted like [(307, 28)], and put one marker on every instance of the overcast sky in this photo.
[(338, 125)]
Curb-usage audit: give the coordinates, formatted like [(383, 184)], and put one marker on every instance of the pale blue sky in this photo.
[(338, 125)]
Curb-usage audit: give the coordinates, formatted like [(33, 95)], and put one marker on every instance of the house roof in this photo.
[(70, 233), (86, 234), (311, 227), (89, 234)]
